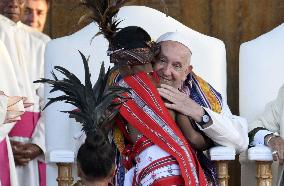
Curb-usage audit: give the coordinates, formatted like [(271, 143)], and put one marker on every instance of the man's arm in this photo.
[(270, 118), (194, 137), (224, 128), (227, 129), (263, 128), (25, 152), (38, 137)]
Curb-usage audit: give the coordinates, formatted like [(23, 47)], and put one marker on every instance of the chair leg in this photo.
[(223, 172), (264, 173), (64, 174)]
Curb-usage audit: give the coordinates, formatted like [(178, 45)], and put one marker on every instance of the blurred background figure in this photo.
[(35, 13), (12, 9)]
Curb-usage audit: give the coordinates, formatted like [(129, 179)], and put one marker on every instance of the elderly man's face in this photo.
[(12, 9), (172, 64), (35, 14)]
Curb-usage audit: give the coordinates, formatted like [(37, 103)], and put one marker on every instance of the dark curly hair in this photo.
[(130, 37)]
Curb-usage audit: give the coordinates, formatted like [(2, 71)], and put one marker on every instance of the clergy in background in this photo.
[(26, 48), (10, 110)]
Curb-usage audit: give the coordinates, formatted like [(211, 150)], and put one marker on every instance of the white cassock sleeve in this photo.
[(38, 136), (37, 68), (271, 117), (227, 129)]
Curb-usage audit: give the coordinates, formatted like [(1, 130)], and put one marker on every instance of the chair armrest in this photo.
[(263, 157), (63, 160), (260, 153), (60, 156), (220, 153)]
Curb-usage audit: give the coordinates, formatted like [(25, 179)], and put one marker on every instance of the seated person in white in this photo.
[(223, 127), (266, 128), (261, 62)]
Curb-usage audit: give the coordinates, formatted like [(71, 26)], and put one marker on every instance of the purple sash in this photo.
[(4, 164), (25, 128)]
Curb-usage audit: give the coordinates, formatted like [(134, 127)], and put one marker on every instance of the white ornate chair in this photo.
[(209, 61), (261, 75), (62, 133)]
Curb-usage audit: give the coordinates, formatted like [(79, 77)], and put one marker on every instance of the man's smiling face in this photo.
[(172, 64), (35, 14)]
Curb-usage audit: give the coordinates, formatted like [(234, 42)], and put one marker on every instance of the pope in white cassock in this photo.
[(26, 49)]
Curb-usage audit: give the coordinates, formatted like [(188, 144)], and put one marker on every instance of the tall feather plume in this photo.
[(103, 13), (96, 105)]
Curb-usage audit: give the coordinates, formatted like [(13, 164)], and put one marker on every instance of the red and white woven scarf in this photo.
[(147, 113)]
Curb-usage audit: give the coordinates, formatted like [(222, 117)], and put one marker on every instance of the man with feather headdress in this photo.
[(96, 109)]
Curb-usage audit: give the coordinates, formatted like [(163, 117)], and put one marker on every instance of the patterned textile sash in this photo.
[(4, 164), (147, 113), (135, 56), (131, 151), (205, 95), (174, 180), (25, 127), (202, 93), (153, 165), (165, 167)]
